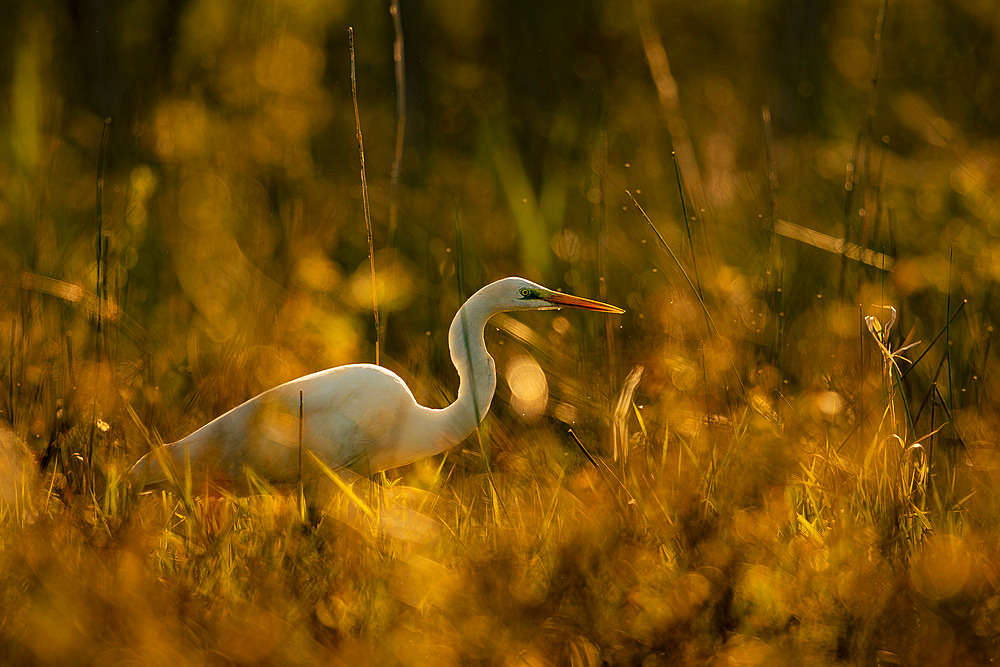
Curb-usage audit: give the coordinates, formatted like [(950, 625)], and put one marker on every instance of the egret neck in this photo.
[(436, 430)]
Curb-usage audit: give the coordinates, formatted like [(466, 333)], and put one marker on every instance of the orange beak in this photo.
[(569, 301)]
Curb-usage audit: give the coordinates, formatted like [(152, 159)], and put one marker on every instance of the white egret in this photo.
[(360, 417)]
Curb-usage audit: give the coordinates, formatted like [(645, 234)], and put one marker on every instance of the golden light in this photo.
[(394, 282), (180, 130), (830, 403), (942, 567), (529, 390), (288, 65)]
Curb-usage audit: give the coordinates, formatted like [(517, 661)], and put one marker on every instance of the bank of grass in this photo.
[(758, 526)]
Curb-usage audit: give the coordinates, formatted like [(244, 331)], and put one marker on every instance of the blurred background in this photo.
[(182, 226), (231, 237), (194, 167)]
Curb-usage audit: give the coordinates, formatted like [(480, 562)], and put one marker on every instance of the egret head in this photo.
[(521, 294)]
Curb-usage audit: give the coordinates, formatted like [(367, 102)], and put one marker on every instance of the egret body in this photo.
[(359, 417)]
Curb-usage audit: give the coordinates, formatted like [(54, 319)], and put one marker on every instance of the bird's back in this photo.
[(350, 417), (350, 414)]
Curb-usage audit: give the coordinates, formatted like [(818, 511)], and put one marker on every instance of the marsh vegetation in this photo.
[(783, 453)]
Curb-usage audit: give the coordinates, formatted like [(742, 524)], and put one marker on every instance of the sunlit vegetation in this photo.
[(783, 453)]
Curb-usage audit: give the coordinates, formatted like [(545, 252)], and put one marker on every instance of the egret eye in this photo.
[(525, 292)]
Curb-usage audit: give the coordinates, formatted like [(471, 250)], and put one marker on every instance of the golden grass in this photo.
[(767, 533)]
